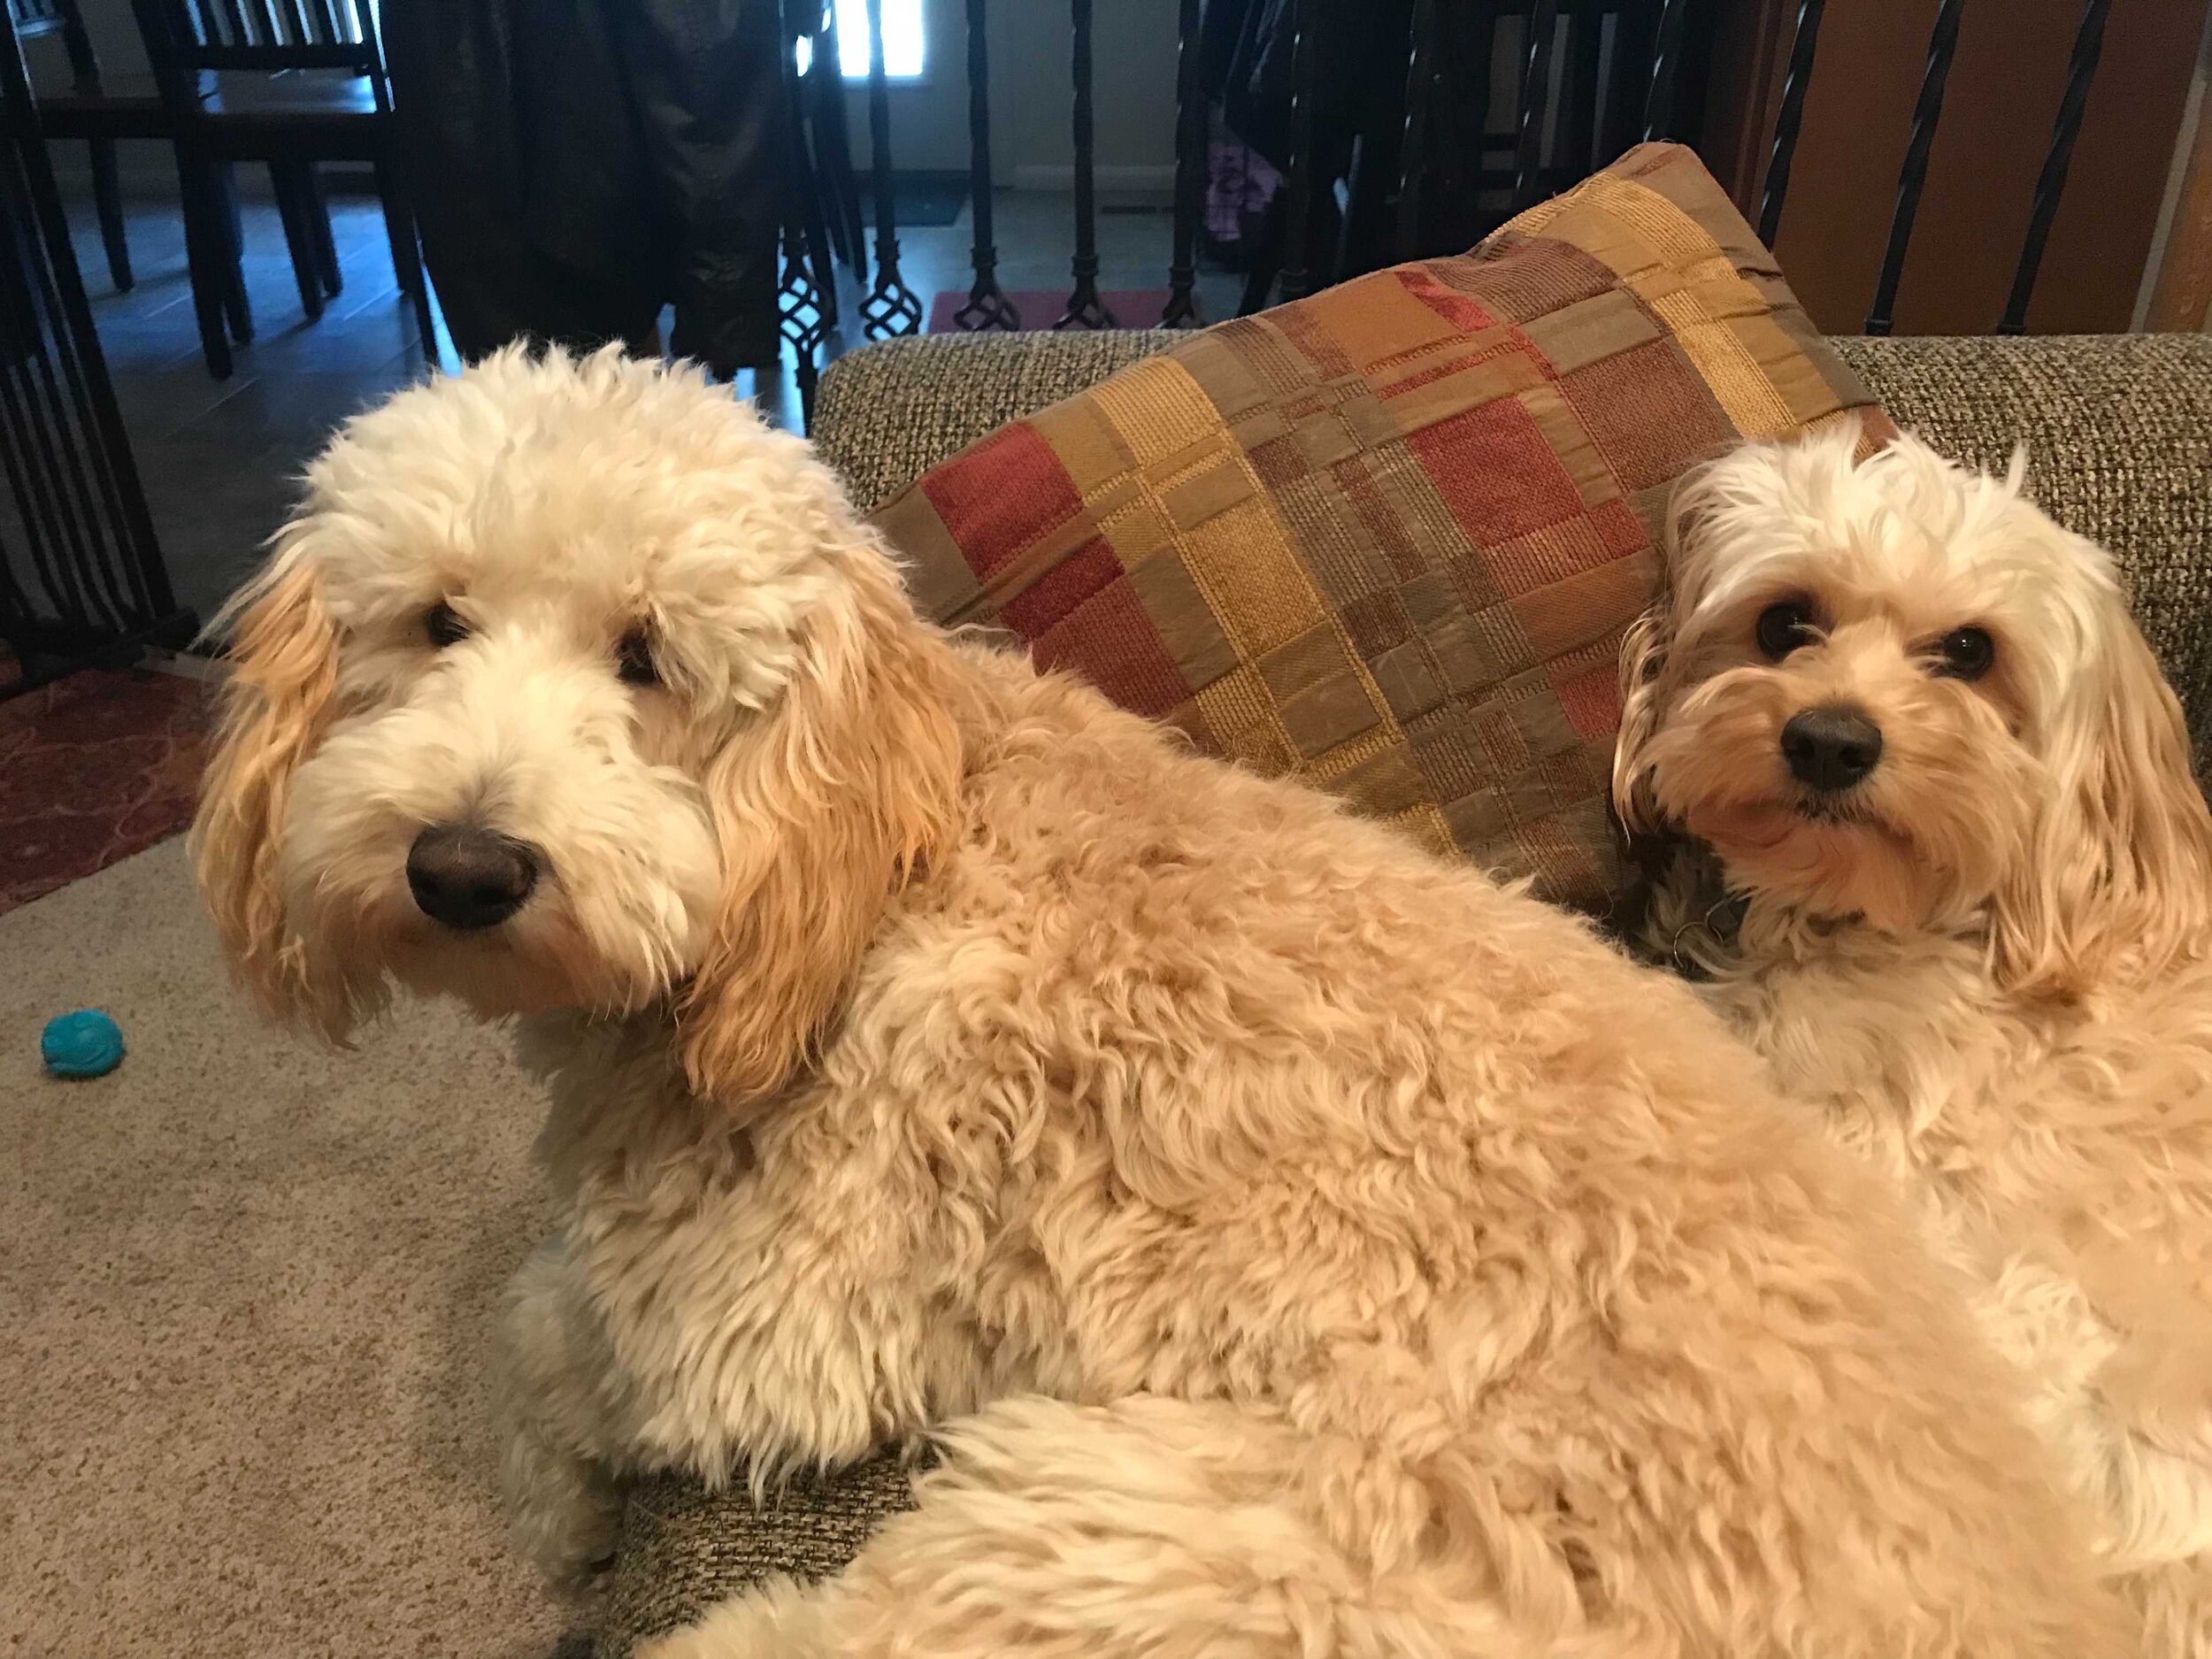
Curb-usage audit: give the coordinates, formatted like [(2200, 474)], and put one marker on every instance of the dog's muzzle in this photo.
[(470, 878)]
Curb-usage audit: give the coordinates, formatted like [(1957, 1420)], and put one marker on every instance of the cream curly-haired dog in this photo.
[(1301, 1245), (1960, 897)]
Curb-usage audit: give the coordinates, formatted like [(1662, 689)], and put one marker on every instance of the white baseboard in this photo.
[(1143, 181)]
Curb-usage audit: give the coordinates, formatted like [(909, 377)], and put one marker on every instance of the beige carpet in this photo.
[(245, 1295)]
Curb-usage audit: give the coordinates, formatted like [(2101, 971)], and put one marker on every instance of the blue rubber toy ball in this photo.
[(86, 1043)]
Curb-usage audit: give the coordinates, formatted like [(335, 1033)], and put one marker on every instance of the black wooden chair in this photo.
[(290, 84), (99, 109), (63, 19)]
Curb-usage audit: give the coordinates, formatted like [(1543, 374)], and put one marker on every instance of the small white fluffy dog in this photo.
[(1913, 721), (1302, 1245)]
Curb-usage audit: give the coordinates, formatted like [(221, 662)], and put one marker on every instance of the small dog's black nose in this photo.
[(469, 877), (1831, 747)]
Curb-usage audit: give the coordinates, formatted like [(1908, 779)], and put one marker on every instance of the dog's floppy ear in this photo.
[(1645, 682), (1643, 662), (284, 665), (822, 817), (2118, 862)]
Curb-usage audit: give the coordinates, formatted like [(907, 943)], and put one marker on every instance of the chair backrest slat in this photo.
[(186, 37), (36, 17)]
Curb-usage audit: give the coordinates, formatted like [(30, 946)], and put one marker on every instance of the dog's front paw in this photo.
[(574, 1547), (565, 1513)]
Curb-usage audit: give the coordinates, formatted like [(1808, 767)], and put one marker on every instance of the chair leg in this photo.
[(399, 229), (299, 239), (206, 251), (319, 223), (230, 226), (107, 200), (399, 225)]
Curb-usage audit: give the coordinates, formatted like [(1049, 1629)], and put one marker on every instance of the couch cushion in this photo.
[(887, 413), (1387, 538), (684, 1548)]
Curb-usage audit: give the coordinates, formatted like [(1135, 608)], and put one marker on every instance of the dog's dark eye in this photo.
[(634, 659), (1964, 654), (1782, 628), (441, 624)]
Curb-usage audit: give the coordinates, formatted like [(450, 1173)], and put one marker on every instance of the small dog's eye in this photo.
[(634, 659), (1782, 628), (441, 624), (1964, 654)]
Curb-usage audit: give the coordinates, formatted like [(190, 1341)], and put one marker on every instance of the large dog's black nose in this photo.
[(1831, 747), (469, 877)]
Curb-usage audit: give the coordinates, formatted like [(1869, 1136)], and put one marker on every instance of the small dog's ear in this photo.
[(2119, 864), (853, 788), (1645, 681), (284, 666), (1643, 662)]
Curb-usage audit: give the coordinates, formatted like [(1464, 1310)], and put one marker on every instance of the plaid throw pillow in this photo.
[(1387, 538)]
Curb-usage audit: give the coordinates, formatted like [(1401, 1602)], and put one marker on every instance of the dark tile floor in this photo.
[(218, 458)]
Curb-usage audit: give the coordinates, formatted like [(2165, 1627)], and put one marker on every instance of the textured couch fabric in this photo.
[(684, 1549), (2119, 435)]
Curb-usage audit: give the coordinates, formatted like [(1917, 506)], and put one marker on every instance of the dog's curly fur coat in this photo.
[(1301, 1245), (1988, 963)]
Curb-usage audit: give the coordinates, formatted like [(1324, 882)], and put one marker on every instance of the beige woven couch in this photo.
[(2119, 435)]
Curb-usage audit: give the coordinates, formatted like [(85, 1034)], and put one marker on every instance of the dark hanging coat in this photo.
[(576, 164)]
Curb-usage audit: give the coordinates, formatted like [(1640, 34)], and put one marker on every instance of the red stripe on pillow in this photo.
[(1000, 496)]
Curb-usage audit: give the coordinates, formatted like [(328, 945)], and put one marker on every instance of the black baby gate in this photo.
[(81, 579)]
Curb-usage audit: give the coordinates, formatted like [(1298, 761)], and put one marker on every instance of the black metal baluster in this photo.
[(1574, 133), (1413, 151), (833, 144), (891, 307), (1305, 69), (1085, 309), (987, 306), (1463, 170), (803, 167), (804, 315), (1666, 63), (1789, 119), (1192, 137), (2051, 184), (1942, 41), (1528, 151), (798, 309)]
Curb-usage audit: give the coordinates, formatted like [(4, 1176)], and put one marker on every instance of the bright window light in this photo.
[(902, 40)]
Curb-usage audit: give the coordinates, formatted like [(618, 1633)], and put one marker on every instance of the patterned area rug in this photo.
[(94, 768)]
